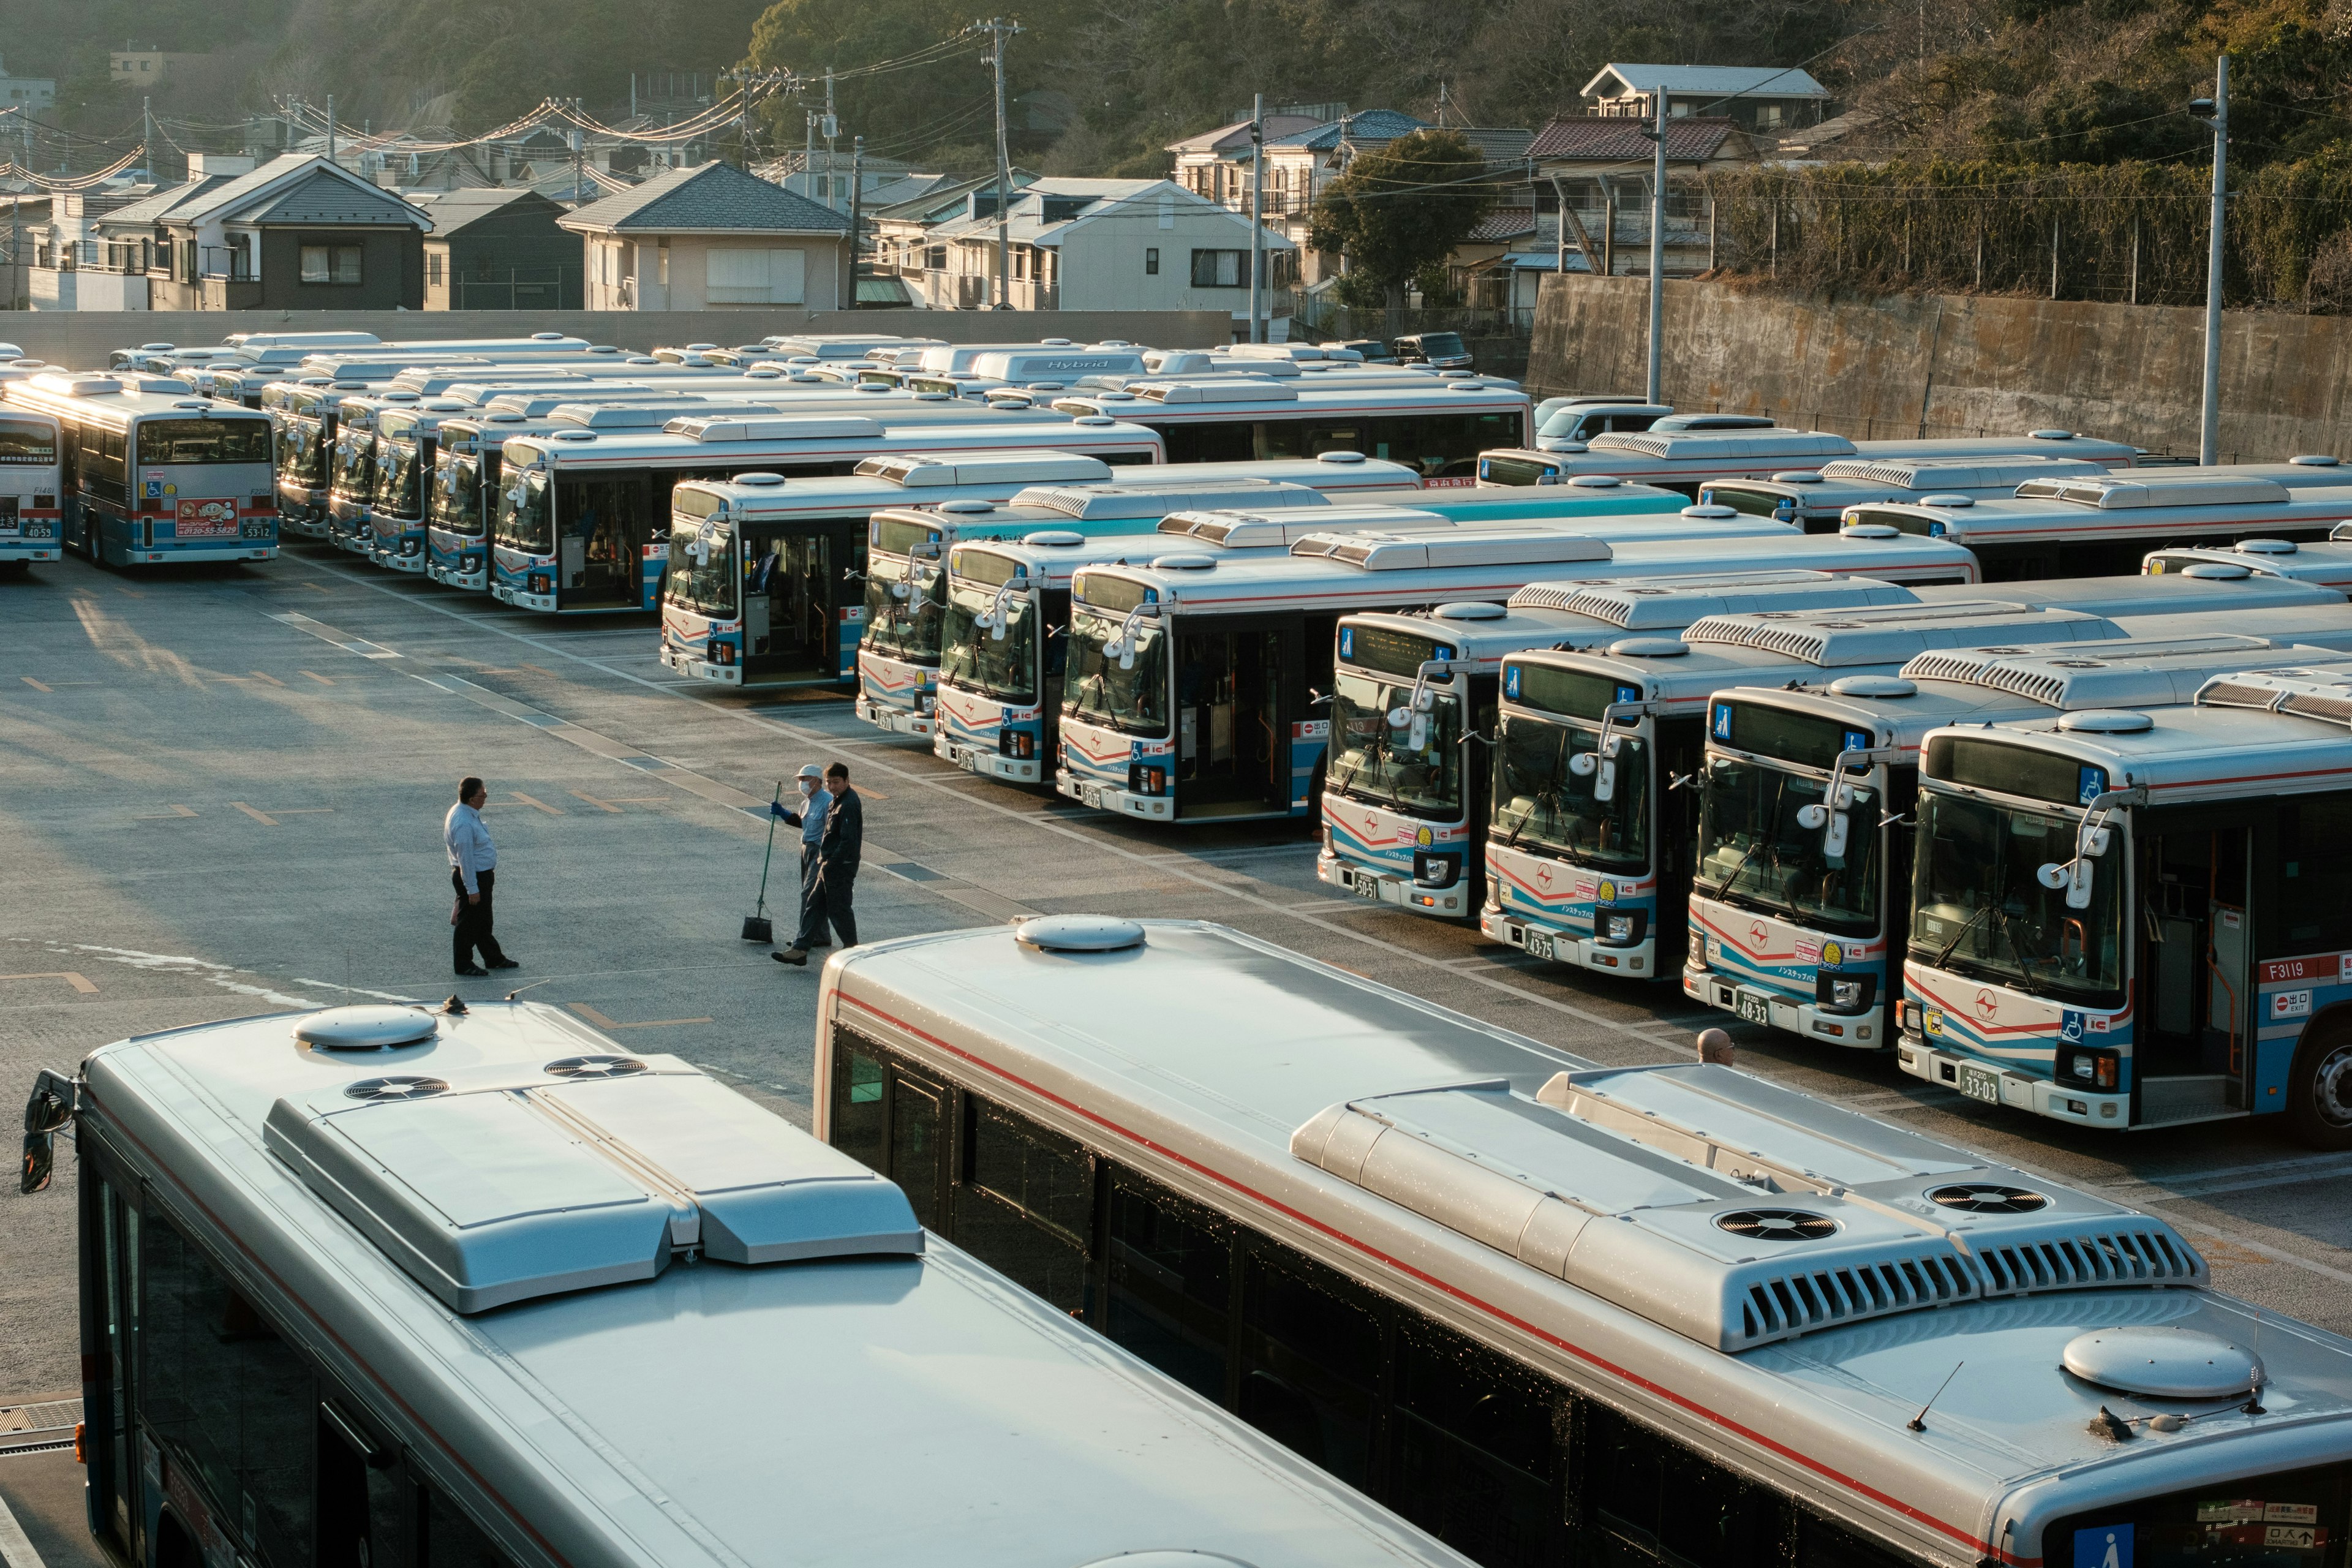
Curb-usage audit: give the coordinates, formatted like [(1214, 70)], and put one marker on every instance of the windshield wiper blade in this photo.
[(1966, 926)]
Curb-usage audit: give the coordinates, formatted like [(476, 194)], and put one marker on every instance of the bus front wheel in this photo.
[(2319, 1089)]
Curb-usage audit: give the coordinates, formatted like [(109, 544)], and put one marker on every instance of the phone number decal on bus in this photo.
[(205, 519)]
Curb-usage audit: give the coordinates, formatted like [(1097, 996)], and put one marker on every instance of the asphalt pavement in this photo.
[(222, 791)]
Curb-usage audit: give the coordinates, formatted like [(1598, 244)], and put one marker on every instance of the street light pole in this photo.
[(2215, 114), (1258, 219), (1658, 253)]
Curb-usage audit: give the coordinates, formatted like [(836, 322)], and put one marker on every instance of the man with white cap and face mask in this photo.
[(810, 819)]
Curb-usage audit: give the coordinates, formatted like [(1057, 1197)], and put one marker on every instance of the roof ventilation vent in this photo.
[(1873, 686), (2158, 1362), (399, 1086), (967, 508), (594, 1067), (2217, 572), (1776, 1224), (1596, 481), (365, 1029), (1078, 933), (2313, 460), (1949, 501), (1797, 477), (1055, 537), (1470, 610), (2053, 434), (759, 481), (1985, 1197), (1710, 513), (1870, 530), (1647, 647), (2264, 547), (2107, 721)]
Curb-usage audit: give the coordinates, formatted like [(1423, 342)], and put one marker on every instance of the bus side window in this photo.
[(1310, 1359), (861, 1125), (223, 1387), (1666, 1502), (367, 1504), (1476, 1458), (1169, 1282), (2314, 855), (1025, 1202), (452, 1539), (1821, 1544)]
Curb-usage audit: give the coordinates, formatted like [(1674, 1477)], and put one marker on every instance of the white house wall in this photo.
[(611, 261)]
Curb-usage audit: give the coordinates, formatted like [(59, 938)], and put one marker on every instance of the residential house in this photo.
[(142, 64), (902, 244), (1098, 245), (1593, 172), (28, 93), (499, 250), (712, 238), (1760, 98), (296, 234), (825, 177)]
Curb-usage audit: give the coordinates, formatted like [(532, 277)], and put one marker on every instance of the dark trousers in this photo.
[(809, 890), (827, 900), (473, 928)]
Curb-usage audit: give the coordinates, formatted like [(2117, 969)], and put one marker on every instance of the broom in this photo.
[(757, 927)]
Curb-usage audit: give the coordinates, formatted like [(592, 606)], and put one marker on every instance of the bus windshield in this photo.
[(163, 442), (704, 585), (27, 441), (905, 627), (973, 655), (1753, 852), (1373, 759), (1134, 700), (1518, 471), (1979, 909), (1540, 802), (301, 453), (354, 455), (395, 479), (457, 496), (527, 513)]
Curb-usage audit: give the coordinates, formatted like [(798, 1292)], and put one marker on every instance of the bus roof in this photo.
[(1225, 398), (1844, 482), (2327, 562), (2147, 501), (733, 440), (930, 1391), (1472, 1169), (115, 398)]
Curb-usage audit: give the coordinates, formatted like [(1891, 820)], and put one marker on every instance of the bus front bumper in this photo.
[(11, 551), (507, 594), (899, 720), (1379, 887), (449, 576), (694, 669), (988, 762), (1109, 798), (412, 564), (1576, 949), (1751, 1004), (1997, 1086)]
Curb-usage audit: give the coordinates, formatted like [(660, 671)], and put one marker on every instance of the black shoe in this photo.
[(472, 972), (797, 957), (504, 963)]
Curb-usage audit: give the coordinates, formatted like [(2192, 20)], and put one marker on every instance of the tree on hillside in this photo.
[(1399, 208)]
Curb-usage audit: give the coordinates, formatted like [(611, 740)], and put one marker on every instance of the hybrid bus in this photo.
[(584, 518), (1655, 1317), (2133, 916), (1195, 690), (906, 549), (1684, 460), (1436, 426), (1818, 501), (2107, 523), (364, 1288), (1590, 862), (1794, 918), (32, 481), (154, 476), (2328, 562)]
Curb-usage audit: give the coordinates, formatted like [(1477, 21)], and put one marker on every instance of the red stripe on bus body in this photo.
[(1459, 1294), (326, 1329)]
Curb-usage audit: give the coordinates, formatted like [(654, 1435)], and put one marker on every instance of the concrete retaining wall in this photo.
[(1957, 364), (82, 339)]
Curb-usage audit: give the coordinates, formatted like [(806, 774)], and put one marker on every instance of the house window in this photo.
[(1151, 261), (742, 275), (330, 264), (433, 269), (1220, 270), (935, 259)]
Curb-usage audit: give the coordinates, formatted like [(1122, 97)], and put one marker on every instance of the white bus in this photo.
[(1684, 460), (1438, 426), (1196, 690), (384, 1288), (1662, 1317), (2325, 561), (32, 483), (1818, 501), (2107, 523)]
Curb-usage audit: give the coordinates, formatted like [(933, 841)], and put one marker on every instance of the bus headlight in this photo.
[(1436, 870), (408, 546), (1835, 992), (2098, 1069), (925, 702), (1013, 742), (1146, 780), (1914, 1018), (1697, 955), (1617, 930), (539, 583), (1620, 928), (469, 563)]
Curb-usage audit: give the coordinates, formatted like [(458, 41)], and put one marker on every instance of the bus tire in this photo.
[(2319, 1088)]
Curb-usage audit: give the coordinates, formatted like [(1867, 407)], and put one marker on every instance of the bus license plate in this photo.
[(1539, 944), (1979, 1084), (1367, 886), (1752, 1009)]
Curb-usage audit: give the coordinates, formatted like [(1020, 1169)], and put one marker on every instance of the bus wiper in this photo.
[(1966, 926)]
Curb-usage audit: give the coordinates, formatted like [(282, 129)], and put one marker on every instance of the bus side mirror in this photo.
[(1604, 785), (1417, 733), (51, 1107), (2053, 876), (1812, 818), (897, 590), (996, 630), (1584, 764), (2093, 842), (1834, 839)]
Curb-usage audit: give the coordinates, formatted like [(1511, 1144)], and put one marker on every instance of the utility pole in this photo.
[(331, 128), (1258, 219), (1002, 31), (2215, 112), (147, 137), (808, 156), (578, 150), (1658, 253), (856, 239), (832, 130)]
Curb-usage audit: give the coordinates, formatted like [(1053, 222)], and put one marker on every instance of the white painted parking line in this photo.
[(15, 1550), (326, 633)]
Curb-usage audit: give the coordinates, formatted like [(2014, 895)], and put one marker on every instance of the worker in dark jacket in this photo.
[(838, 849)]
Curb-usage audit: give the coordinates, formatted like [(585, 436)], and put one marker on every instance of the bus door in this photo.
[(1233, 737), (111, 1287), (2195, 994), (601, 526), (797, 589)]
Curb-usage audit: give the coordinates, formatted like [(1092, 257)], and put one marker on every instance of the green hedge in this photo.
[(1993, 227)]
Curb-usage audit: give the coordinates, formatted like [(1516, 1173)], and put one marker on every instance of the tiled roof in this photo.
[(453, 211), (1762, 81), (328, 196), (706, 198), (1373, 125), (1498, 144), (1503, 223), (1618, 138)]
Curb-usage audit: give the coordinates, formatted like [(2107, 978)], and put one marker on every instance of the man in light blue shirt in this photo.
[(473, 873), (810, 819)]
